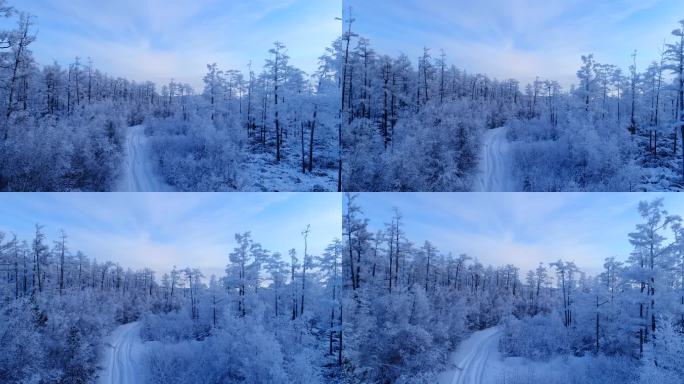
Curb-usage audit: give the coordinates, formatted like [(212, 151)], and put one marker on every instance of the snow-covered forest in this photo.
[(62, 128), (271, 130), (363, 121), (426, 125), (272, 318), (411, 305), (66, 128)]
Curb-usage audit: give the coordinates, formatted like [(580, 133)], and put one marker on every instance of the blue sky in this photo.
[(185, 229), (520, 38), (157, 39), (519, 228)]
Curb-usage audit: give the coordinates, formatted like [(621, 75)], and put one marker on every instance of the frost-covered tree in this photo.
[(647, 260), (558, 313), (55, 314), (276, 66), (674, 54)]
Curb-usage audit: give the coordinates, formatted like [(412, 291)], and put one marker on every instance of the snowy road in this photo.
[(139, 174), (493, 175), (122, 356), (473, 359)]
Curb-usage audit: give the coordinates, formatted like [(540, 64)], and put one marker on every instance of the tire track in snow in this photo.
[(493, 175), (473, 357), (121, 362), (139, 174)]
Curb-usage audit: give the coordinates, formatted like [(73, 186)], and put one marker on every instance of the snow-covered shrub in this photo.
[(197, 156), (82, 152), (435, 150), (666, 365), (44, 341), (400, 337), (575, 156), (573, 370), (242, 352)]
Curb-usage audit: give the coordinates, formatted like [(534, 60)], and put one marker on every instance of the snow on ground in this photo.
[(139, 173), (493, 175), (661, 179), (265, 175), (122, 356), (476, 359), (559, 370)]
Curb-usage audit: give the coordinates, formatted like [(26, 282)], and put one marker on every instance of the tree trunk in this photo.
[(311, 138), (597, 325), (339, 351), (303, 152), (332, 332), (343, 108)]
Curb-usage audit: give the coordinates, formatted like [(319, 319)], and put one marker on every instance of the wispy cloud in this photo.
[(185, 229), (158, 40), (520, 228), (521, 38)]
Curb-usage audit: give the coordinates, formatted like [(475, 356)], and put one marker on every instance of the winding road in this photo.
[(473, 358), (493, 175), (139, 174), (121, 360)]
